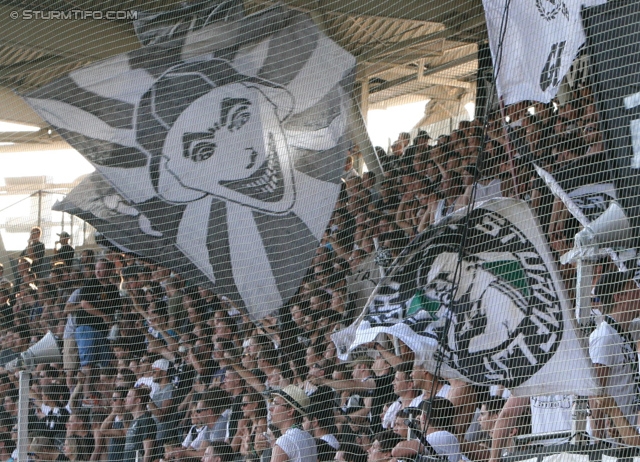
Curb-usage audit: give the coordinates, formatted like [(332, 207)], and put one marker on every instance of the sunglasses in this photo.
[(274, 403)]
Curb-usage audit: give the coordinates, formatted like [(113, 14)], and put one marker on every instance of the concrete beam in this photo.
[(435, 70), (15, 109), (417, 10), (84, 39), (47, 64), (382, 54), (427, 80), (38, 137), (35, 147)]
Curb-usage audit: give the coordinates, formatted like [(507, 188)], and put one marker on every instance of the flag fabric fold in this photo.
[(533, 44)]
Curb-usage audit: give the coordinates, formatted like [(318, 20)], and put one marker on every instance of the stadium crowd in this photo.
[(157, 369)]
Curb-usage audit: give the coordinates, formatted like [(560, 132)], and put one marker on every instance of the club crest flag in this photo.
[(504, 321), (533, 43), (218, 151)]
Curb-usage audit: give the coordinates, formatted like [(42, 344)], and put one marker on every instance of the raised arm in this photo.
[(506, 425)]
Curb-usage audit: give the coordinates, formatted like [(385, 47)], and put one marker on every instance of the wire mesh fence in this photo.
[(278, 257)]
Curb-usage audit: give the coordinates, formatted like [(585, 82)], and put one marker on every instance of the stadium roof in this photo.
[(407, 50)]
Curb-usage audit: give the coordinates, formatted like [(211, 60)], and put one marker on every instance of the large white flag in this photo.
[(533, 43), (505, 320)]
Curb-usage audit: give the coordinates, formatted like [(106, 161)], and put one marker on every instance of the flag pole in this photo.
[(508, 145)]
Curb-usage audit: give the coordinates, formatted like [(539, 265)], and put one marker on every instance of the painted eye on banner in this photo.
[(198, 146), (239, 118)]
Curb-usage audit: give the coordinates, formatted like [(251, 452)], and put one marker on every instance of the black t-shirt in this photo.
[(236, 415), (105, 298), (36, 254), (388, 205), (382, 394), (54, 423), (116, 444), (141, 429), (6, 315), (65, 253)]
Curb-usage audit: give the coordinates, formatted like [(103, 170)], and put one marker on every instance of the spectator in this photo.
[(190, 436), (161, 404), (404, 390), (209, 410), (613, 352), (79, 424), (140, 439), (287, 409), (545, 415), (350, 452), (437, 420), (477, 440), (349, 171), (7, 446), (407, 425), (319, 420), (43, 448), (3, 280), (65, 253), (144, 372), (12, 344), (54, 397), (234, 385), (218, 452), (76, 449), (112, 434), (98, 300), (382, 446), (35, 250), (426, 384), (252, 424)]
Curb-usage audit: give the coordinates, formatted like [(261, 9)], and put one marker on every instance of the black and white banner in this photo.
[(589, 182), (153, 27), (221, 149), (508, 323), (613, 41), (533, 43)]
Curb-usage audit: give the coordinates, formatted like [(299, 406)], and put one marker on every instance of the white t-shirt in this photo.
[(608, 348), (550, 414), (216, 433), (192, 437), (442, 393), (445, 444), (331, 441), (147, 382), (389, 417), (298, 445)]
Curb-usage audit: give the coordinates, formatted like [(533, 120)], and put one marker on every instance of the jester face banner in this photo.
[(219, 153)]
